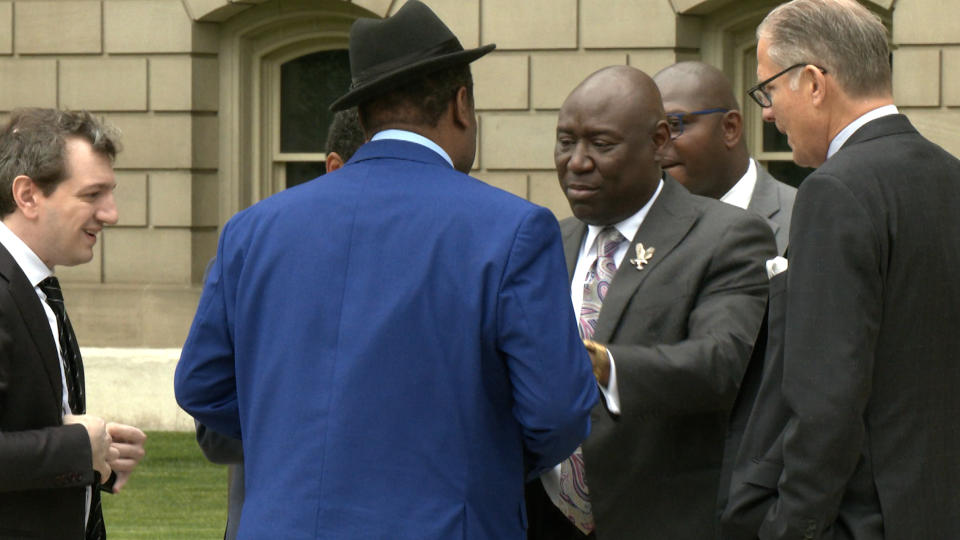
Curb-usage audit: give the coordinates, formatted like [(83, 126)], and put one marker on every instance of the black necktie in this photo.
[(72, 363), (73, 373)]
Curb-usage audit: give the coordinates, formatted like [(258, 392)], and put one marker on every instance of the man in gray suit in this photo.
[(707, 152), (670, 291), (853, 434)]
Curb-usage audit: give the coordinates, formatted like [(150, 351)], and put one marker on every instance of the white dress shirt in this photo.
[(852, 127), (741, 192)]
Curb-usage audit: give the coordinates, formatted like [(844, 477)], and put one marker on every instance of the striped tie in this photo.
[(72, 363), (73, 373)]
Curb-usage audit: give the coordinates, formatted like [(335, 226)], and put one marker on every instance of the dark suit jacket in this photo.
[(396, 345), (773, 201), (44, 465), (752, 465), (681, 331), (870, 444), (227, 451)]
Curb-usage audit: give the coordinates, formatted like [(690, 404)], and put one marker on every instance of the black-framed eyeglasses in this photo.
[(759, 92), (675, 120)]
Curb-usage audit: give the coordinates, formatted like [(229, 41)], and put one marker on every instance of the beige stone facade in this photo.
[(192, 86)]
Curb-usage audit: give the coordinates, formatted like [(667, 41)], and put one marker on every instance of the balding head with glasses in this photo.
[(821, 64)]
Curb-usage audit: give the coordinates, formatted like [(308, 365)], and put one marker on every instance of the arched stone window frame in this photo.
[(254, 42)]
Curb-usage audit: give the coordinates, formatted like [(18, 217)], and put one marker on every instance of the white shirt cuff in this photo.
[(611, 394)]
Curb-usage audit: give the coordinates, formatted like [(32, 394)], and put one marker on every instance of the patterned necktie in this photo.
[(598, 280), (73, 373), (574, 497)]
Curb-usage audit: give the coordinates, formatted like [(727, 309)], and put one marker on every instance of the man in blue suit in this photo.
[(395, 344)]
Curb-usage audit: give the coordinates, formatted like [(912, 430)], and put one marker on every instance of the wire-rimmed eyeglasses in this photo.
[(759, 92), (675, 120)]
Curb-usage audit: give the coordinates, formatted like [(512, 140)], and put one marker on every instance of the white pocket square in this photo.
[(775, 266)]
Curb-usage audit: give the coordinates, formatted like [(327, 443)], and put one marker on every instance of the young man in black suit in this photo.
[(854, 432), (56, 195)]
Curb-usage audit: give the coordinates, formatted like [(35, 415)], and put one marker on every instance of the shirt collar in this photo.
[(741, 192), (416, 138), (26, 259), (837, 143), (628, 227)]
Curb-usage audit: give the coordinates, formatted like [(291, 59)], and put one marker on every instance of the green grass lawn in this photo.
[(174, 493)]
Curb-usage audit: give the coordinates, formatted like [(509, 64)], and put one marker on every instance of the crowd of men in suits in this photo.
[(407, 352)]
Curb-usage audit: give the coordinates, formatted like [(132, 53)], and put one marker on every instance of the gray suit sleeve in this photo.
[(219, 448), (722, 310)]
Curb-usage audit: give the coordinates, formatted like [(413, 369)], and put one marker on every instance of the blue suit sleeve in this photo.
[(205, 382), (553, 384)]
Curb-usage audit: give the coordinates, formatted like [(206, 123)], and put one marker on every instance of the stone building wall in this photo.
[(162, 71), (926, 68)]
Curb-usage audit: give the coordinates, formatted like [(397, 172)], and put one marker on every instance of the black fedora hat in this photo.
[(385, 53)]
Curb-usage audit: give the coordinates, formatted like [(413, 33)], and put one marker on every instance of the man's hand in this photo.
[(600, 360), (101, 448), (128, 442)]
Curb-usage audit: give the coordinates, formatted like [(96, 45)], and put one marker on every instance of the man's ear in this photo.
[(661, 136), (732, 128), (463, 108), (26, 195), (334, 161), (818, 84)]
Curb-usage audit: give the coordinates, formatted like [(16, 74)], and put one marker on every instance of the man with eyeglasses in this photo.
[(707, 152), (853, 431)]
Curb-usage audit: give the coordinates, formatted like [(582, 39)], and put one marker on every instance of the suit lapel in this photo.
[(34, 318), (765, 200), (669, 220), (572, 241)]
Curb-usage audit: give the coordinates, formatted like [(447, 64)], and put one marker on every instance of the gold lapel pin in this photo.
[(643, 256)]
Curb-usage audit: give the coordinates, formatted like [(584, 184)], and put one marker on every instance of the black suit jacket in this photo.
[(680, 330), (44, 465), (868, 446)]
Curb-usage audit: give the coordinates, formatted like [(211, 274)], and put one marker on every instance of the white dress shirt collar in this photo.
[(837, 143), (741, 192), (26, 259), (628, 227), (416, 138)]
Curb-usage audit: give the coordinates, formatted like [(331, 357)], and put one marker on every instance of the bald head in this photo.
[(698, 84), (610, 132), (707, 152), (623, 87)]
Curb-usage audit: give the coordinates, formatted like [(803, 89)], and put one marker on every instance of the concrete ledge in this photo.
[(134, 386)]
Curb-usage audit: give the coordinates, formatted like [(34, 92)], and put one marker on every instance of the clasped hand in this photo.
[(600, 360), (113, 447)]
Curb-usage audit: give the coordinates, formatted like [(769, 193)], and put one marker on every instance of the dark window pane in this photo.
[(788, 171), (773, 140), (299, 172), (308, 85)]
